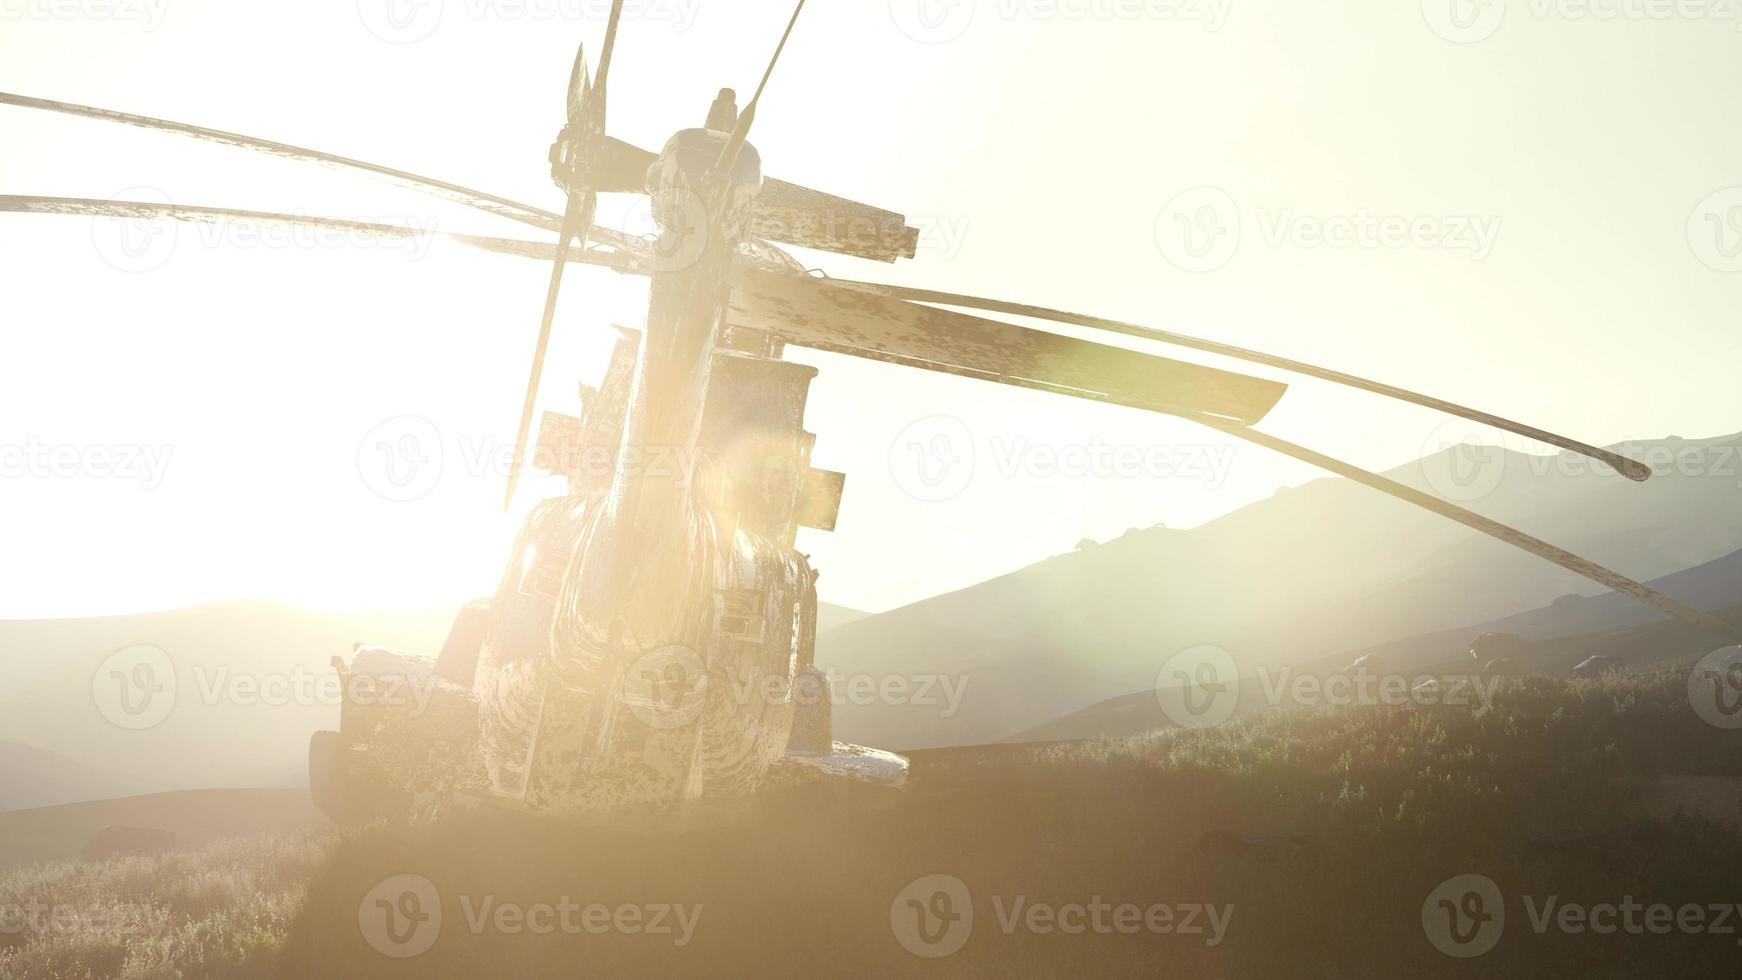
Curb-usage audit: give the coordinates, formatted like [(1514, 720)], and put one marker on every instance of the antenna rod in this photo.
[(729, 154), (777, 50)]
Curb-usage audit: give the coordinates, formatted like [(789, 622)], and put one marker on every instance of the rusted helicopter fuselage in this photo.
[(652, 639)]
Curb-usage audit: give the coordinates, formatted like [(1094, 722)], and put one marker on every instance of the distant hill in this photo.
[(57, 747), (1313, 571), (59, 833), (830, 617), (31, 777), (219, 733), (1556, 638)]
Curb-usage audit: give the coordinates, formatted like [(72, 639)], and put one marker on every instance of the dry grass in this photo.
[(1394, 800), (220, 911)]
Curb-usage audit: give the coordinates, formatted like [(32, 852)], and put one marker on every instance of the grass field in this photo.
[(1559, 790)]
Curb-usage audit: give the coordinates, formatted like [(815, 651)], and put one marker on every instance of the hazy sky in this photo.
[(1528, 206)]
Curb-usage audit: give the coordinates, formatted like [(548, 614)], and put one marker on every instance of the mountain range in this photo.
[(248, 692), (1313, 572), (1307, 577)]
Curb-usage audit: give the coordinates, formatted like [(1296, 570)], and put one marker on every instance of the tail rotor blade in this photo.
[(609, 46), (580, 87)]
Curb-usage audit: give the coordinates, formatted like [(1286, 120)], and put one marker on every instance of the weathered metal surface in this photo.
[(754, 427), (558, 450), (405, 727), (793, 214), (819, 500), (819, 314)]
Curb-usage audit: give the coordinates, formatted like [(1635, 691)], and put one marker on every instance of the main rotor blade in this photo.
[(821, 315), (1631, 469), (1494, 529), (786, 212), (150, 211), (500, 206), (576, 221)]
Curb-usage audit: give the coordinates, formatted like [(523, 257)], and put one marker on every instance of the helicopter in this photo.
[(652, 639)]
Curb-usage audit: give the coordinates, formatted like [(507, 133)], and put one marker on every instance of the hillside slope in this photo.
[(1316, 570), (196, 817), (1555, 639)]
